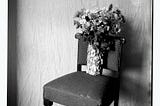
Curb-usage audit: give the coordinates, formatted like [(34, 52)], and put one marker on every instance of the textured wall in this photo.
[(45, 48)]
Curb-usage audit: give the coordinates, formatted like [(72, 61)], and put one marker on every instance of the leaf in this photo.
[(78, 25), (110, 7), (75, 22), (123, 19), (87, 18), (118, 11)]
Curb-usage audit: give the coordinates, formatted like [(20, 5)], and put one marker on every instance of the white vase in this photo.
[(94, 60)]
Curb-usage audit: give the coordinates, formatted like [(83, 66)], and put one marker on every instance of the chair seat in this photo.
[(81, 89)]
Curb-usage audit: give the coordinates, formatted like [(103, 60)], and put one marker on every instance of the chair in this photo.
[(81, 89)]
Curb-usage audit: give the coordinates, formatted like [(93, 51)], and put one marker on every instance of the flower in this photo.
[(99, 24)]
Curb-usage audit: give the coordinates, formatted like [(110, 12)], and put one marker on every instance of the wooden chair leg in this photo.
[(116, 102), (47, 102)]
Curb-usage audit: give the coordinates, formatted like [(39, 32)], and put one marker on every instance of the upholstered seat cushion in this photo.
[(80, 89)]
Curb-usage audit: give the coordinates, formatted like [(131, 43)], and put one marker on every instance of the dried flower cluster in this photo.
[(95, 26)]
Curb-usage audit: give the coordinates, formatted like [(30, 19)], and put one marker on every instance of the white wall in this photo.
[(156, 56), (45, 47), (3, 52)]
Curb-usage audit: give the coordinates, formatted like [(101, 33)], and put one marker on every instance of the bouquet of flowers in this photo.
[(99, 26)]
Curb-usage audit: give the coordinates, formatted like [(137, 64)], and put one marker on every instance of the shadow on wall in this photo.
[(12, 54), (132, 85)]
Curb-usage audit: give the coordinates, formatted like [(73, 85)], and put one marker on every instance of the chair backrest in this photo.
[(111, 59)]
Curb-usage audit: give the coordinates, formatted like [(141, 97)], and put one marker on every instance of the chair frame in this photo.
[(47, 102)]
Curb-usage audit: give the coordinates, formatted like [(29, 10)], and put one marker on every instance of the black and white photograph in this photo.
[(77, 53)]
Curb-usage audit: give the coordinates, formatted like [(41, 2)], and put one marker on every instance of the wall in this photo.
[(42, 47), (3, 51)]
